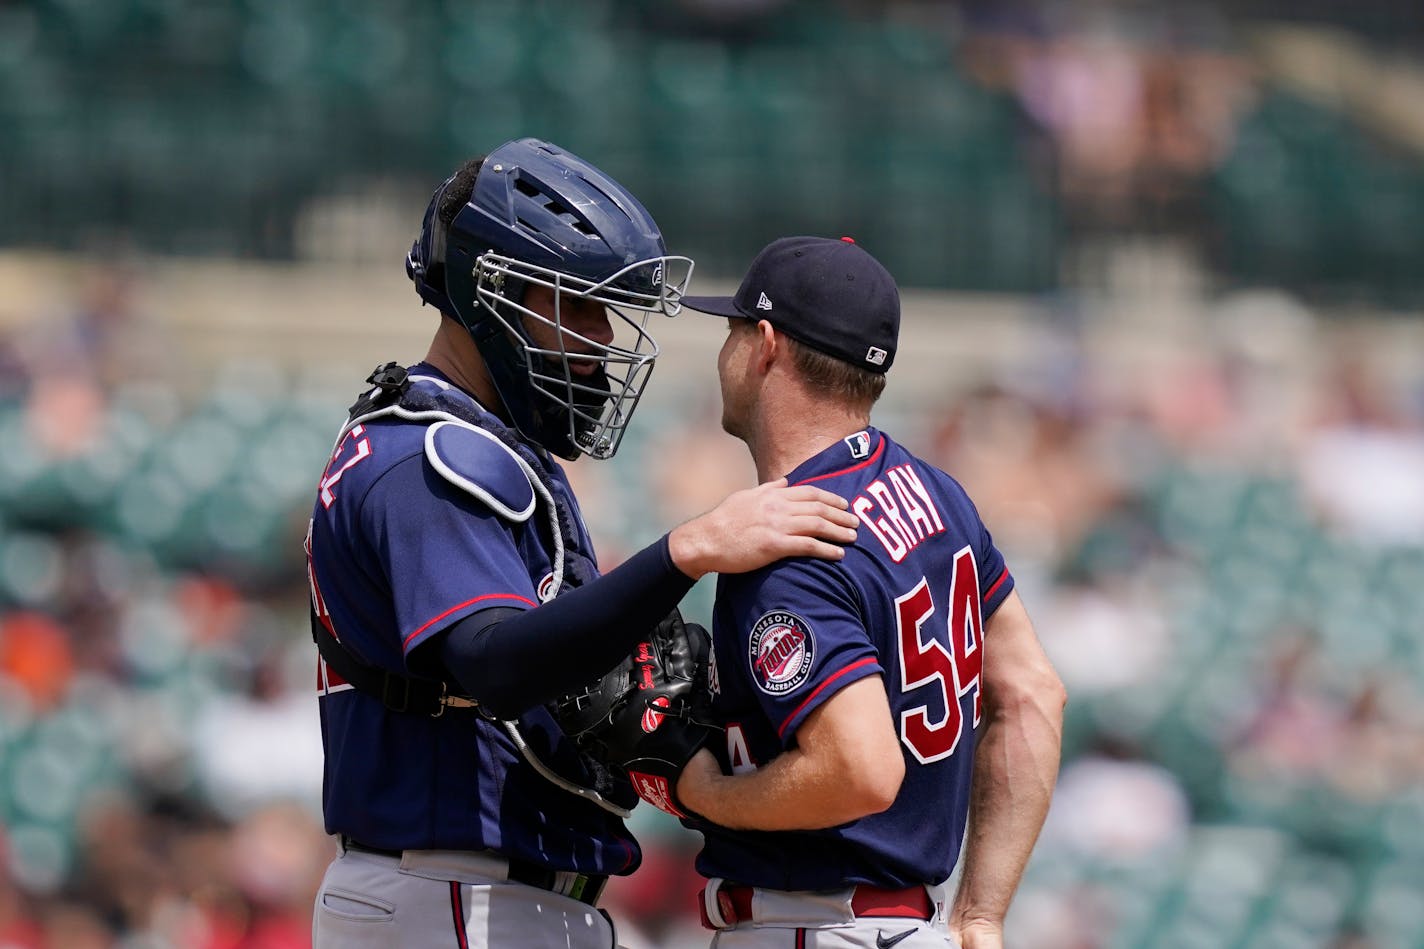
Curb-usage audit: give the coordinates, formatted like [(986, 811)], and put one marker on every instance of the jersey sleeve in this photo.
[(994, 578), (798, 636), (445, 553)]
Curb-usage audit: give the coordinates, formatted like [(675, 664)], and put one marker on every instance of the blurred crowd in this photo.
[(1218, 527), (1217, 523), (1213, 505), (158, 743)]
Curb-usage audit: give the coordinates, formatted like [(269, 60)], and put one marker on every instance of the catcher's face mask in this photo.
[(585, 345), (539, 217)]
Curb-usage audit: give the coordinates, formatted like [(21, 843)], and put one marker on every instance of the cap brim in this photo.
[(717, 306)]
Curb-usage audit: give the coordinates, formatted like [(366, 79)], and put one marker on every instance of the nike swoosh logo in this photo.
[(882, 943)]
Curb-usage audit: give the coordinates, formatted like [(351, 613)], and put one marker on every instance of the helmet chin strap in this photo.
[(569, 394)]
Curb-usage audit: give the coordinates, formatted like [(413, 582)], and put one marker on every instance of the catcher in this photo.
[(455, 592)]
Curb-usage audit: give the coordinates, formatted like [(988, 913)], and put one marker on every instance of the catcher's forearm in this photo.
[(1015, 769), (534, 656)]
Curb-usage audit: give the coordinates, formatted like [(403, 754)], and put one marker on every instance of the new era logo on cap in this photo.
[(830, 295)]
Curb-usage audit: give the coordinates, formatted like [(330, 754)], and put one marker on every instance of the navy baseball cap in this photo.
[(829, 294)]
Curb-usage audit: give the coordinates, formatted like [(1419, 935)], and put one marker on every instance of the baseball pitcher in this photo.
[(878, 707)]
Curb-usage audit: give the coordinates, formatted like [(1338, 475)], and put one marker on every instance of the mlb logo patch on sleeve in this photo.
[(781, 650)]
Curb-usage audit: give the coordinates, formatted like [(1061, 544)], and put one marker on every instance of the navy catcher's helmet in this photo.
[(541, 215)]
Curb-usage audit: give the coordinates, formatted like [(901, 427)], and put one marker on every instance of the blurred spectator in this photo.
[(1140, 105), (1028, 463), (279, 853), (1072, 916), (659, 900), (1113, 806), (73, 361), (35, 654), (1296, 728), (104, 338), (704, 464), (14, 373), (271, 723), (1384, 755), (1361, 464), (1358, 735), (175, 876), (1105, 636), (123, 869)]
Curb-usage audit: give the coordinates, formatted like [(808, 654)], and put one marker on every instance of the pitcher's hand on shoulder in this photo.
[(756, 526)]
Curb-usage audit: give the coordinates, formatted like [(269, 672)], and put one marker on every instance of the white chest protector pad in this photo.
[(479, 463)]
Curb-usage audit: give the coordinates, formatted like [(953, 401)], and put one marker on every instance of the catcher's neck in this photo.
[(454, 353)]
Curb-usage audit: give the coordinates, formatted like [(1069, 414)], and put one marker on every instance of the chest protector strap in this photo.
[(396, 691)]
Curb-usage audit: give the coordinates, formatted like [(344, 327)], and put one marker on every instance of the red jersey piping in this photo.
[(460, 606)]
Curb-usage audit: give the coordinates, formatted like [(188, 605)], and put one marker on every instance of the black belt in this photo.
[(584, 887)]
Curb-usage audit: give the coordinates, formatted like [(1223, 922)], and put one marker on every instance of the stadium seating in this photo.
[(1273, 860)]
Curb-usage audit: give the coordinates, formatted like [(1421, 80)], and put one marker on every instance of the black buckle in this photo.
[(389, 377), (390, 382), (386, 692)]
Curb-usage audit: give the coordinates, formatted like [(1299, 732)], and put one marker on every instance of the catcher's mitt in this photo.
[(647, 715)]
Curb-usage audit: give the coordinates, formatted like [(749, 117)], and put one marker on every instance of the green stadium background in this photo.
[(1163, 265)]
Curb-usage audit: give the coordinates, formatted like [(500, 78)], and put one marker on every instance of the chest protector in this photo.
[(472, 450)]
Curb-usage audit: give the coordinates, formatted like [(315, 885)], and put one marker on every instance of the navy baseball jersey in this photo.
[(398, 551), (908, 603)]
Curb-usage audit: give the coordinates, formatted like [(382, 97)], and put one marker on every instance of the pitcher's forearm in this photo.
[(1015, 770)]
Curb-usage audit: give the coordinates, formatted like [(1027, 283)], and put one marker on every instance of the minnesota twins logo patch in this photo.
[(780, 652)]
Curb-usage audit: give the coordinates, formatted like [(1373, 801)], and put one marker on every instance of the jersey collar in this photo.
[(857, 450)]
